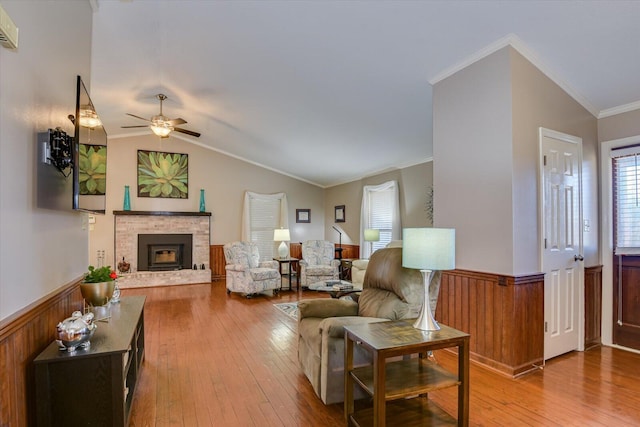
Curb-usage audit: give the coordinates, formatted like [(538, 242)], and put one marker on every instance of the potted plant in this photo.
[(98, 285)]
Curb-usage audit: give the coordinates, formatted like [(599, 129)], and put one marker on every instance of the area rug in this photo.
[(288, 308)]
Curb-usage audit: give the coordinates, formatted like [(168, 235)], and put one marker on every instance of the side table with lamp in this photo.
[(399, 388), (282, 235)]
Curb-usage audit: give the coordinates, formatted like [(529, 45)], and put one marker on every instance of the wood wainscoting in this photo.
[(503, 314), (22, 337), (348, 251), (217, 262), (592, 306)]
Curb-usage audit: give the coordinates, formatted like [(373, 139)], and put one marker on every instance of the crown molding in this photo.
[(619, 109), (516, 43)]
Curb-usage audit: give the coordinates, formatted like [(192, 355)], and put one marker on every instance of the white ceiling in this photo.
[(330, 91)]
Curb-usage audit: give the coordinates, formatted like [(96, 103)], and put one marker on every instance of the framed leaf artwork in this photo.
[(163, 175), (92, 169)]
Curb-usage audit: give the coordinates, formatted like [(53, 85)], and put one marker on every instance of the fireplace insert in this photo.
[(164, 252)]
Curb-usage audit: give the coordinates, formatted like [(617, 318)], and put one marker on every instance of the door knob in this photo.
[(578, 258)]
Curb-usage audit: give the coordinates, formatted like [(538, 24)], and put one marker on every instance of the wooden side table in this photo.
[(292, 262), (391, 384), (345, 268)]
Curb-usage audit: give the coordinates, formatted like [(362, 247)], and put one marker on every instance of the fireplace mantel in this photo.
[(162, 213)]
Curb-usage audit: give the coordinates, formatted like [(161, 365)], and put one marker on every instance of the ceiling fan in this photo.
[(161, 125)]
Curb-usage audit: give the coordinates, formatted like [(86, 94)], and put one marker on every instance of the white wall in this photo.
[(40, 250)]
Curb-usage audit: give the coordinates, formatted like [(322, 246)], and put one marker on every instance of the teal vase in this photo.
[(127, 199), (202, 208)]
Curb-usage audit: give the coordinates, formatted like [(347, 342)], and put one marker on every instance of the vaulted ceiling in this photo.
[(330, 91)]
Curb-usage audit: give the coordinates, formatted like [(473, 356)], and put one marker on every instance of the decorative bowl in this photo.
[(75, 331), (97, 294)]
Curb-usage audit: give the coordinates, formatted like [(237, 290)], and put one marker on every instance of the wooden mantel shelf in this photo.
[(162, 213)]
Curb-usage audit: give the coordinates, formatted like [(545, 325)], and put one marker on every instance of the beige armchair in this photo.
[(390, 292), (359, 266), (318, 262)]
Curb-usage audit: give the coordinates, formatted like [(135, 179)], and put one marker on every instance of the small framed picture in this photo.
[(340, 217), (303, 215)]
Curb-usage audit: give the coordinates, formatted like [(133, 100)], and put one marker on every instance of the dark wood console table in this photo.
[(94, 386)]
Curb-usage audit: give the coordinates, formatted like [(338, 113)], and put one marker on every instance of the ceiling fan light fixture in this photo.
[(161, 129), (160, 126)]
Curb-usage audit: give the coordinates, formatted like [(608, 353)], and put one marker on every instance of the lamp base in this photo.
[(425, 320), (283, 251)]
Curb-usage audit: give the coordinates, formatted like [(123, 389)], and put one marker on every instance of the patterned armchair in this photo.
[(245, 272), (318, 262)]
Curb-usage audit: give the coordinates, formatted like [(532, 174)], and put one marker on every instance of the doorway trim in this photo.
[(606, 235)]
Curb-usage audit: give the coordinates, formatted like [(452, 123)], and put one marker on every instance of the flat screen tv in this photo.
[(89, 156), (72, 169)]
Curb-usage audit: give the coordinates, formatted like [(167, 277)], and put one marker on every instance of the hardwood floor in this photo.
[(218, 360)]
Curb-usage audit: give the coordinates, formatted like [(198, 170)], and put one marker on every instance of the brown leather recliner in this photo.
[(390, 292)]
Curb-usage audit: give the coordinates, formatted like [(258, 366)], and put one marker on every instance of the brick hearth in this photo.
[(128, 224)]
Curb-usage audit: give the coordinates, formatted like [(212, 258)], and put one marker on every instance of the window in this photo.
[(262, 214), (626, 199), (381, 211)]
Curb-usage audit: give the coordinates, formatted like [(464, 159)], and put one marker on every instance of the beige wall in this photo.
[(224, 179), (613, 132), (539, 102), (619, 126), (413, 182), (40, 250), (472, 155), (486, 120)]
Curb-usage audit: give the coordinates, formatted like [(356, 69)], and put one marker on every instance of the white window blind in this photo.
[(381, 211), (263, 213), (626, 197), (381, 215)]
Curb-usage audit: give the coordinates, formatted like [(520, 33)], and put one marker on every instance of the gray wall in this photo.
[(486, 120), (40, 250)]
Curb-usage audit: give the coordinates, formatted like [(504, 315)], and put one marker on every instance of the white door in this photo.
[(561, 166)]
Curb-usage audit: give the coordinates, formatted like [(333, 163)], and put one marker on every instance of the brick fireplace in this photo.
[(169, 232)]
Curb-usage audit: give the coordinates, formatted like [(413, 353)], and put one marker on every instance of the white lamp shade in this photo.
[(429, 248), (281, 235), (371, 235)]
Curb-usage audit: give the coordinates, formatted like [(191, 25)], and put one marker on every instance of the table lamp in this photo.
[(282, 235), (428, 249), (371, 235)]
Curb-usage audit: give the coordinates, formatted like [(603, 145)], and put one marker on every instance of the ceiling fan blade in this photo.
[(177, 121), (138, 126), (138, 117), (188, 132)]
